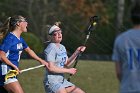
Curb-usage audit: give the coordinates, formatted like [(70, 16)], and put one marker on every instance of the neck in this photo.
[(57, 44), (137, 27), (17, 33)]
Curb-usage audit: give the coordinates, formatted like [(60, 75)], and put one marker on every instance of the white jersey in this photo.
[(55, 81)]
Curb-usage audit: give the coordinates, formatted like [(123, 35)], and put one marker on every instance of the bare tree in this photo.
[(120, 14), (37, 12)]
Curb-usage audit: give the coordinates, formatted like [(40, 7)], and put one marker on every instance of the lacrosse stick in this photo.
[(91, 27), (31, 68), (11, 74), (14, 73)]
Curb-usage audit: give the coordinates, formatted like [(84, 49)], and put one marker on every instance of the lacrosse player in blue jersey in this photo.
[(10, 50), (126, 55), (56, 56)]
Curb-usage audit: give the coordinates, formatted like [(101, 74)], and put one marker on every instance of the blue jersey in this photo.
[(127, 52), (13, 47)]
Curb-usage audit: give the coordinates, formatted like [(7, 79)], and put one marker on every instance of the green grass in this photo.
[(92, 77)]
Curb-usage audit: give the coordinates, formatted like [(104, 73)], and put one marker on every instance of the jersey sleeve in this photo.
[(116, 52), (6, 44), (24, 44), (50, 53)]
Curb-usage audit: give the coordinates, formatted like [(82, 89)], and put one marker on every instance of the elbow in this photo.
[(2, 57), (118, 76), (67, 64), (51, 68)]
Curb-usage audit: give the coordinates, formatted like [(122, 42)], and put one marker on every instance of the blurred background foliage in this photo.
[(74, 16), (33, 41)]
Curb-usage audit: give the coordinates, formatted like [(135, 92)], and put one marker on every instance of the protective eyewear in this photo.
[(56, 32)]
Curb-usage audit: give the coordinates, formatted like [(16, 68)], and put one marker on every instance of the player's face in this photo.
[(57, 36), (23, 24)]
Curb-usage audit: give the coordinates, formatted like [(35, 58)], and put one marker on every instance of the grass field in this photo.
[(92, 77)]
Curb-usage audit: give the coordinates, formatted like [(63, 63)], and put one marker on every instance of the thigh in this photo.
[(3, 90), (62, 90), (74, 89), (14, 87)]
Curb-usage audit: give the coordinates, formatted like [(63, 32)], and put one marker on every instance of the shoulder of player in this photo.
[(9, 37), (123, 35), (50, 46), (62, 46)]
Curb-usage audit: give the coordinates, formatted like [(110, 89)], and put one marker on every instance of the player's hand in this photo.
[(81, 48), (17, 69), (72, 71)]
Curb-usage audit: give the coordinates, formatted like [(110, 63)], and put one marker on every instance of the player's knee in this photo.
[(80, 91), (77, 90), (61, 91), (16, 91)]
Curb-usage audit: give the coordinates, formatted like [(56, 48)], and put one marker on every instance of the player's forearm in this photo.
[(119, 77), (72, 58), (5, 59), (33, 55), (118, 70), (55, 69)]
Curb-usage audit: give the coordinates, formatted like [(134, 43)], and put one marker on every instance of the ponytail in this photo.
[(57, 23), (4, 29)]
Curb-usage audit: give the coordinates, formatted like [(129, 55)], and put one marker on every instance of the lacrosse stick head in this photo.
[(93, 22), (11, 74)]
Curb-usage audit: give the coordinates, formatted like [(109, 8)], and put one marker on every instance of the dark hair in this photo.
[(9, 25), (135, 14)]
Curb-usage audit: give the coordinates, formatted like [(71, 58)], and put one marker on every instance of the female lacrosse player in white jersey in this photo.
[(10, 51), (56, 56)]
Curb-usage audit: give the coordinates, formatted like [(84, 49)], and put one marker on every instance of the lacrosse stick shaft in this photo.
[(93, 22), (78, 57), (74, 66), (31, 68), (87, 37)]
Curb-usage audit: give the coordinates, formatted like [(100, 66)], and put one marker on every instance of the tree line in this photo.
[(74, 16)]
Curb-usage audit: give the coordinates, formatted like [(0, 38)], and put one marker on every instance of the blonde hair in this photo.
[(9, 25), (4, 29), (57, 23)]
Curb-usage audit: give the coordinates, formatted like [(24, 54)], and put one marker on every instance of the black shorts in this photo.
[(3, 90)]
